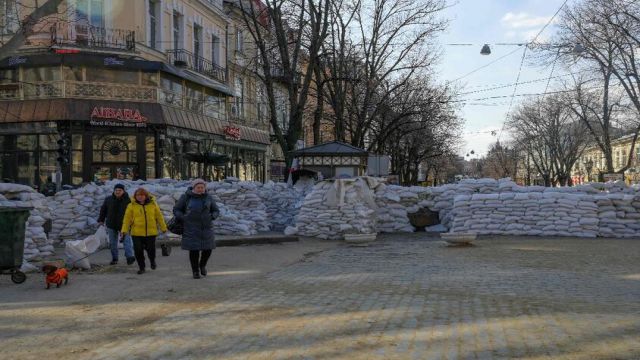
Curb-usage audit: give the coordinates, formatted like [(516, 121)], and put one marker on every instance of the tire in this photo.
[(18, 277)]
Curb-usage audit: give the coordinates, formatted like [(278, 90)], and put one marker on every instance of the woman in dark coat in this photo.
[(197, 209)]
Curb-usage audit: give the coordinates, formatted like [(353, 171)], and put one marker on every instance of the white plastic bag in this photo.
[(101, 237), (76, 255)]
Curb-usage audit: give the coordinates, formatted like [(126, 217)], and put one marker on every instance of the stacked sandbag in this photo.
[(395, 202), (335, 208), (36, 242), (619, 214), (75, 212), (167, 192), (241, 200), (283, 202), (542, 214)]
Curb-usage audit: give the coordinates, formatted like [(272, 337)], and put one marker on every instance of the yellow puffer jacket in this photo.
[(143, 219)]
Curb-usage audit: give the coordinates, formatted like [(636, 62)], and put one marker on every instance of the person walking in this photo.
[(142, 220), (197, 210), (113, 209)]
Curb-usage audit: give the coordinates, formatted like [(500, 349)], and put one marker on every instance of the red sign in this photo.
[(132, 115), (232, 132)]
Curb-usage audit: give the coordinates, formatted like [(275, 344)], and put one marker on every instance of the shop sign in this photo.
[(124, 117), (612, 177), (231, 133), (17, 60), (113, 61)]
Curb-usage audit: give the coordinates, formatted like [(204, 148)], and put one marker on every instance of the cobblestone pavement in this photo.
[(402, 298)]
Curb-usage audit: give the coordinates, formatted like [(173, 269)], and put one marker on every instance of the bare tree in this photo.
[(287, 33), (501, 161), (608, 32), (423, 137), (553, 137), (374, 50), (28, 26)]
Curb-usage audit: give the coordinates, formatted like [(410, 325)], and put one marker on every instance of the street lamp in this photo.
[(578, 48)]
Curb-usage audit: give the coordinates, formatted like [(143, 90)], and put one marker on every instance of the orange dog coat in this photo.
[(57, 276)]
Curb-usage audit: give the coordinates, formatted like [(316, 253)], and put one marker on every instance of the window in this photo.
[(72, 73), (238, 105), (9, 22), (282, 109), (215, 50), (112, 76), (90, 12), (171, 90), (261, 98), (177, 30), (155, 31), (239, 40), (45, 73), (214, 105), (197, 40)]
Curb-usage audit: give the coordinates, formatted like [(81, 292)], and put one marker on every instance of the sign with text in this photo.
[(231, 133), (105, 116), (612, 177)]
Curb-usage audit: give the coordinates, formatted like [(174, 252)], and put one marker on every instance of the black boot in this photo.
[(203, 271), (196, 275)]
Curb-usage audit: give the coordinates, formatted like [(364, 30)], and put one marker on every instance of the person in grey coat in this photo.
[(197, 209)]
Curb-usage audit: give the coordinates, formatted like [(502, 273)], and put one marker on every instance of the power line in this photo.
[(532, 81), (522, 63), (484, 66)]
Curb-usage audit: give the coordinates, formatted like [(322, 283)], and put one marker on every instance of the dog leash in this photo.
[(84, 257)]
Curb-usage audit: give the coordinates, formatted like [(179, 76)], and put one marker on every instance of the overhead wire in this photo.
[(515, 88)]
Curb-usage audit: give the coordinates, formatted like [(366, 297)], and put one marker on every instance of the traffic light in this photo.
[(64, 147)]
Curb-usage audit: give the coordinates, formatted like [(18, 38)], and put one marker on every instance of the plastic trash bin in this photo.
[(12, 228)]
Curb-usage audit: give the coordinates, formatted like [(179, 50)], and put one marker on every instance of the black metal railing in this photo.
[(278, 74), (191, 61), (92, 37)]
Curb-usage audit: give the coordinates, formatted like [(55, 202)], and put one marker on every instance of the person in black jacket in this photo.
[(197, 209), (113, 210)]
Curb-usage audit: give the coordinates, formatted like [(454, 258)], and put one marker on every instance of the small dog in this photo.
[(55, 275)]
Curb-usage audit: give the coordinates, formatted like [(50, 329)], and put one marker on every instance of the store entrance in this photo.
[(124, 171)]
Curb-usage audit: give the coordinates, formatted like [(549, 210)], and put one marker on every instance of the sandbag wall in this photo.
[(335, 208), (36, 243), (541, 213)]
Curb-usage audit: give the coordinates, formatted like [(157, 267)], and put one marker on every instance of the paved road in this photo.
[(404, 297)]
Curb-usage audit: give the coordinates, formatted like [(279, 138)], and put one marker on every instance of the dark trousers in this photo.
[(197, 260), (142, 243)]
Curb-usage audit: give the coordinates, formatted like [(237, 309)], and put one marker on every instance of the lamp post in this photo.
[(588, 166), (576, 49)]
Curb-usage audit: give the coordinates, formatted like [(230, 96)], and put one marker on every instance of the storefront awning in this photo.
[(153, 114)]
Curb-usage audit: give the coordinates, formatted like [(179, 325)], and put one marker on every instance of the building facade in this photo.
[(137, 88), (592, 166)]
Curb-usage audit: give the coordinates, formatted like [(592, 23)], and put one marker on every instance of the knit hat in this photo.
[(198, 181), (118, 186)]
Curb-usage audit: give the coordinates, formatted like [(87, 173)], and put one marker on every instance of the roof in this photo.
[(330, 148)]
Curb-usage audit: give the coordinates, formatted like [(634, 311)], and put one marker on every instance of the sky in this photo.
[(493, 21)]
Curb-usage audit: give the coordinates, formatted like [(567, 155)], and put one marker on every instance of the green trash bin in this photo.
[(12, 228)]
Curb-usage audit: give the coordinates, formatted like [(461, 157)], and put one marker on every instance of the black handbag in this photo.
[(166, 249), (176, 226)]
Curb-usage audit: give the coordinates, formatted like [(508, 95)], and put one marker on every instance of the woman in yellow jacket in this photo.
[(142, 219)]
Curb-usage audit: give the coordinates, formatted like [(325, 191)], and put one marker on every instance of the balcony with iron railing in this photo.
[(205, 105), (278, 74), (186, 59), (69, 34)]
